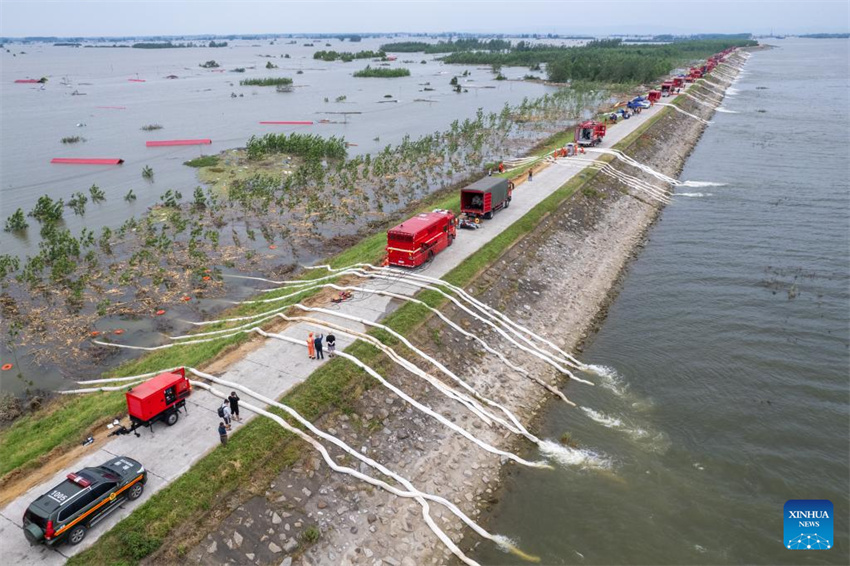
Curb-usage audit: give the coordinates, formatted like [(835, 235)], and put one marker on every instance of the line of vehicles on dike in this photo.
[(84, 498)]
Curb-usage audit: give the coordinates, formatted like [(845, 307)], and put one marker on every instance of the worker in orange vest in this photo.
[(311, 347), (501, 167)]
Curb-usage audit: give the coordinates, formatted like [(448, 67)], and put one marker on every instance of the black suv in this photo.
[(82, 500)]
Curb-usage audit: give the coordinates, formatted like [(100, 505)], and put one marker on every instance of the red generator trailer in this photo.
[(590, 133), (654, 96), (678, 82), (666, 88), (485, 196), (158, 399), (415, 241)]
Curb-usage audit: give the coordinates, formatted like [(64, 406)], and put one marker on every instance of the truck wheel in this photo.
[(136, 491), (430, 255), (77, 534), (489, 215), (451, 239), (171, 419), (507, 203)]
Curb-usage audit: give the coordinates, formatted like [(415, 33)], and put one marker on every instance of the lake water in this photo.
[(728, 346), (198, 104)]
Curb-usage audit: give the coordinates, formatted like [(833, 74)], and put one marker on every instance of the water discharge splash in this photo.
[(694, 195), (725, 110), (702, 184), (603, 419), (568, 456)]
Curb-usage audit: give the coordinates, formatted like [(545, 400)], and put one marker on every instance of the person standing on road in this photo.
[(331, 340), (222, 433), (318, 343), (225, 413), (311, 347), (530, 175), (234, 405)]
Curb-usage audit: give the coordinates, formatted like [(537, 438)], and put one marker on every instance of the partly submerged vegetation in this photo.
[(301, 145), (346, 56), (382, 72), (203, 161), (73, 139), (268, 81)]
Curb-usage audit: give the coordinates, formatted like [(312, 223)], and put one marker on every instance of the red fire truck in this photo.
[(590, 133), (666, 88), (654, 96), (419, 239), (158, 399), (679, 82)]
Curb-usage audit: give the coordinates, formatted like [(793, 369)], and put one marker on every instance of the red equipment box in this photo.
[(415, 241), (158, 398), (654, 95)]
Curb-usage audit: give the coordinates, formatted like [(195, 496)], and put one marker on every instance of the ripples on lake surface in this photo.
[(730, 345)]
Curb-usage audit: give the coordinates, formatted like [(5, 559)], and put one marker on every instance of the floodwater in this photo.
[(112, 107), (728, 348), (198, 105)]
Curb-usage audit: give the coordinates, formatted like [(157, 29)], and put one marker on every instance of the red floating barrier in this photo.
[(160, 312), (7, 367), (112, 107), (75, 161), (178, 142), (136, 80), (119, 331), (26, 81), (289, 123)]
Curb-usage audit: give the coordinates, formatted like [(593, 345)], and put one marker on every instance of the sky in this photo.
[(88, 18)]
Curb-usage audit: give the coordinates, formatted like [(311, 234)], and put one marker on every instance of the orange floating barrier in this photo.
[(7, 367), (119, 331), (178, 142), (289, 123), (95, 332), (186, 298), (207, 278), (160, 312), (272, 247), (26, 81), (87, 161), (136, 80)]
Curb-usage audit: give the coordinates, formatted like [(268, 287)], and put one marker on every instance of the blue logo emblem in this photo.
[(808, 524)]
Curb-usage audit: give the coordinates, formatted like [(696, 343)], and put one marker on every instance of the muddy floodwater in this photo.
[(106, 96), (728, 351)]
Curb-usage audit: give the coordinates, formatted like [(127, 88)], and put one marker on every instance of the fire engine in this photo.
[(419, 239)]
